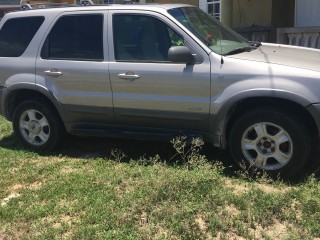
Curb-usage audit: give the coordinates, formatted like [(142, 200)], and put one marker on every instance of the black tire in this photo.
[(257, 143), (37, 125)]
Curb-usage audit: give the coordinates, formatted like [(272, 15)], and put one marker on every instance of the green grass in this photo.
[(88, 189)]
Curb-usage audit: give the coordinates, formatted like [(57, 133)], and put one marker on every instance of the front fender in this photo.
[(223, 106)]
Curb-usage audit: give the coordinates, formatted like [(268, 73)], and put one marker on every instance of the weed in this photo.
[(189, 154), (117, 155), (143, 161)]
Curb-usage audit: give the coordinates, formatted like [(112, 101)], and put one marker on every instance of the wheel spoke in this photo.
[(44, 137), (281, 137), (31, 115), (261, 130), (23, 125), (32, 137), (281, 157), (43, 122), (248, 144), (260, 160)]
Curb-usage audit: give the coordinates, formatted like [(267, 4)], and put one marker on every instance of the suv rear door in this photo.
[(72, 66), (148, 90)]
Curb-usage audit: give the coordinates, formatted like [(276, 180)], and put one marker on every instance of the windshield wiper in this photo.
[(252, 46), (240, 50), (255, 44)]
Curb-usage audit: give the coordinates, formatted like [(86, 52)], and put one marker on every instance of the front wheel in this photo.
[(270, 140), (37, 126)]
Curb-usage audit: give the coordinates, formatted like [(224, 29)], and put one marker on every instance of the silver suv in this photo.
[(157, 71)]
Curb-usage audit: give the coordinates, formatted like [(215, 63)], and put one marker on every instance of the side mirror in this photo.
[(180, 54)]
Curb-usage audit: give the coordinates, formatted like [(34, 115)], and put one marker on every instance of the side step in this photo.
[(157, 136)]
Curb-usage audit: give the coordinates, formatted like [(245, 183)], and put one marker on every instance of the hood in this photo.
[(307, 58)]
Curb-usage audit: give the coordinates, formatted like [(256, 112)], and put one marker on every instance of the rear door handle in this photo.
[(129, 76), (53, 72)]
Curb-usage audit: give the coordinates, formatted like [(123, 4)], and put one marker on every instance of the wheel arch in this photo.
[(246, 104), (21, 92)]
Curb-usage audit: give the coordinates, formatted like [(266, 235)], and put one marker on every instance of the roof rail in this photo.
[(28, 6), (86, 2)]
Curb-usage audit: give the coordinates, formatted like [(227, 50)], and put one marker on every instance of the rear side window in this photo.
[(76, 37), (16, 35)]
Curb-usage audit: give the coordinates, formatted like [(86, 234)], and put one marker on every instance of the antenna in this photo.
[(220, 42)]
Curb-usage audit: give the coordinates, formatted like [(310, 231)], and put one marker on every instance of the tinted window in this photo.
[(142, 38), (75, 38), (16, 34)]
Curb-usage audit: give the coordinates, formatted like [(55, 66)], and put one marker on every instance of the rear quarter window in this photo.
[(16, 35)]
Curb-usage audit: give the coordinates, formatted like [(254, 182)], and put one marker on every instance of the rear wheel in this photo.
[(270, 140), (37, 126)]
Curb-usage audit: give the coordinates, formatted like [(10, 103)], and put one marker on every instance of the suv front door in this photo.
[(148, 90)]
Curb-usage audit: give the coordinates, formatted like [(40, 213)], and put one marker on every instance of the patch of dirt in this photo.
[(270, 189), (229, 211), (203, 226), (32, 186), (277, 230), (6, 200), (60, 220), (229, 236), (52, 159), (296, 208), (18, 230), (257, 232), (237, 188), (67, 170), (67, 203), (17, 187), (35, 186), (67, 219), (201, 223)]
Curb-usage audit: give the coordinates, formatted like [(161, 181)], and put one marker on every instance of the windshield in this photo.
[(221, 39)]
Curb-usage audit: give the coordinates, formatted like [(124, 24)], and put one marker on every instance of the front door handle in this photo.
[(129, 76), (53, 72)]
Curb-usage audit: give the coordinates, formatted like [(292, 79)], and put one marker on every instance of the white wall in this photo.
[(203, 5), (307, 13)]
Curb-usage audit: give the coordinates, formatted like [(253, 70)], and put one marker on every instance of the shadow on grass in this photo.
[(94, 147)]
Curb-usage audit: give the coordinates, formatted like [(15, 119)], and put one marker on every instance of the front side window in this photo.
[(142, 38), (76, 37), (16, 35)]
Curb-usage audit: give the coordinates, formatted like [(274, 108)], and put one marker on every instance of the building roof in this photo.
[(10, 2)]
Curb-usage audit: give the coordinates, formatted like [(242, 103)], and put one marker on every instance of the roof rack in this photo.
[(29, 6)]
